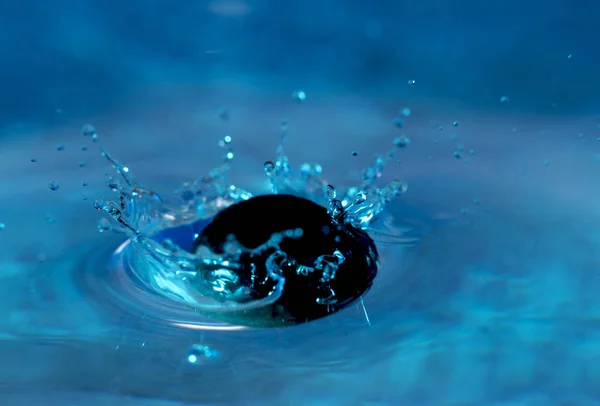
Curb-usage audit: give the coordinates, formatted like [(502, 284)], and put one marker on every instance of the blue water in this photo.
[(496, 303)]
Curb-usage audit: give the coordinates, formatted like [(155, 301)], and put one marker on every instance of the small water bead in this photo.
[(2, 226), (406, 112), (60, 147), (546, 163), (457, 154), (471, 152), (198, 353), (455, 124), (308, 170), (88, 130), (82, 164), (53, 186), (398, 123), (412, 82), (269, 168), (34, 160), (84, 148), (50, 220), (401, 141), (360, 198), (223, 115), (85, 184), (354, 153), (299, 96)]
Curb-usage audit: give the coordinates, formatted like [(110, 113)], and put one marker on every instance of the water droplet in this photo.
[(60, 147), (471, 152), (398, 123), (81, 164), (34, 160), (580, 135), (269, 168), (85, 184), (406, 112), (455, 124), (84, 148), (224, 115), (504, 99), (401, 141), (199, 353), (354, 153), (398, 187), (2, 226), (50, 220), (53, 186), (412, 82), (360, 198), (546, 163), (299, 96), (457, 154), (88, 130)]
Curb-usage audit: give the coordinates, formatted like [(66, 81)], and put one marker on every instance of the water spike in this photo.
[(121, 169), (270, 171)]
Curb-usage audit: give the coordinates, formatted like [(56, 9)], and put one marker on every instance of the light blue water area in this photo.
[(487, 294)]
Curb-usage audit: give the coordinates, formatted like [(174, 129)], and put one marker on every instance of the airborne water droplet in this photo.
[(401, 141), (269, 168), (299, 96), (53, 186)]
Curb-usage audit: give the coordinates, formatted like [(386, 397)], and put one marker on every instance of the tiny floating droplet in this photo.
[(53, 186), (401, 141), (34, 160), (200, 352), (224, 115), (360, 198), (88, 130), (457, 154), (2, 226), (412, 82), (398, 123), (81, 164), (455, 124), (269, 168), (84, 148), (60, 147), (354, 153), (299, 96), (504, 99), (546, 163), (406, 112)]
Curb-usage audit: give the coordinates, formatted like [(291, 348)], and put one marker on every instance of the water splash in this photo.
[(209, 282)]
